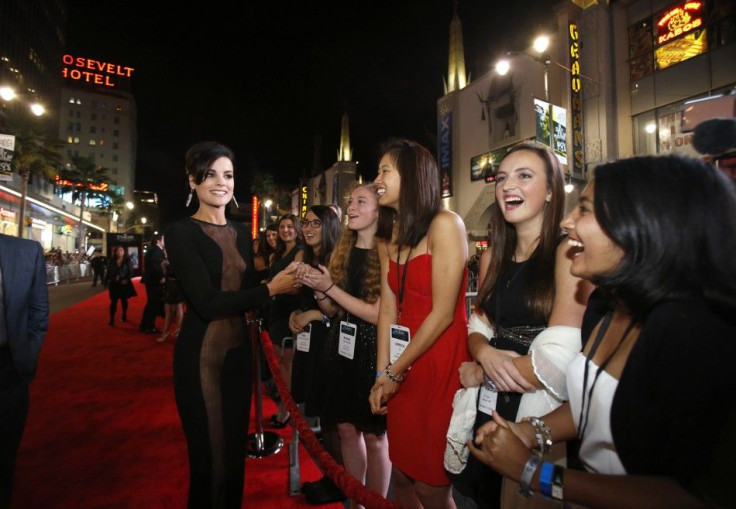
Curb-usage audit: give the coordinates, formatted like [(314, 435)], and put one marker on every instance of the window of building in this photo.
[(102, 142), (94, 104), (118, 109), (70, 127), (76, 140), (114, 171), (116, 120), (78, 101), (116, 132), (115, 158), (71, 100), (71, 113), (93, 116), (79, 114), (92, 129), (93, 142), (115, 144), (78, 127), (69, 139)]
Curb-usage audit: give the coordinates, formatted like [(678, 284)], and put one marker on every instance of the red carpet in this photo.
[(103, 431)]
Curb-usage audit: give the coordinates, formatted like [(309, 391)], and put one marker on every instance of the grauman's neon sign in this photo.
[(679, 20), (93, 71)]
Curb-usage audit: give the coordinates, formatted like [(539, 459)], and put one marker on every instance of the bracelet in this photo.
[(526, 475), (542, 433), (558, 482), (378, 374), (395, 379), (490, 383), (323, 298), (545, 479), (328, 289)]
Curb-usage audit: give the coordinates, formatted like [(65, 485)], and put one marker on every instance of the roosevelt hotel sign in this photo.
[(95, 72)]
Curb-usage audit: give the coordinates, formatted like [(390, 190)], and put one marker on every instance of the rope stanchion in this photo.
[(261, 443), (350, 486)]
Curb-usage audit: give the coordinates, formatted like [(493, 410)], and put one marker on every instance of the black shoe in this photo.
[(123, 318), (325, 492)]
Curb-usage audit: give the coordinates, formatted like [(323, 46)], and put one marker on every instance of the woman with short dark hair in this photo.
[(652, 392), (213, 262)]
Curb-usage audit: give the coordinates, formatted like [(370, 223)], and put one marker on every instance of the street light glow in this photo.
[(267, 204), (541, 43), (7, 93), (144, 220), (129, 205), (38, 109), (502, 67)]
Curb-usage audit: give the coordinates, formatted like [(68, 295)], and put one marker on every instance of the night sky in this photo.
[(266, 77)]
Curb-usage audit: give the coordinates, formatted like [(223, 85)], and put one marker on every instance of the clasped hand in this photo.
[(382, 391), (503, 446), (499, 366), (317, 279)]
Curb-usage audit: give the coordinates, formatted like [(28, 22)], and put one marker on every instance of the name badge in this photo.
[(400, 337), (487, 400), (303, 338), (348, 331)]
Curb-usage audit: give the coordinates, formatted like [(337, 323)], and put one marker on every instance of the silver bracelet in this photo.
[(490, 383), (542, 433), (390, 375), (526, 475)]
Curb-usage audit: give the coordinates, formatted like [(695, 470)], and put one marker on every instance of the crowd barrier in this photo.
[(72, 271), (350, 486)]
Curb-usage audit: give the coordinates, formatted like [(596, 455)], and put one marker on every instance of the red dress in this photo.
[(419, 413)]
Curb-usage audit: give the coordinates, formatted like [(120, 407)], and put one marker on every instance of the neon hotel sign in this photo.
[(93, 71), (679, 20)]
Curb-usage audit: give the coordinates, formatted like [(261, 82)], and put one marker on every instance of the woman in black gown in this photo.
[(213, 261)]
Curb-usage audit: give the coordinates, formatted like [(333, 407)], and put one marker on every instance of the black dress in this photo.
[(282, 305), (213, 358), (347, 383), (516, 327)]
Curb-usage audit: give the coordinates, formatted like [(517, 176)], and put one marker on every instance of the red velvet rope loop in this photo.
[(350, 486)]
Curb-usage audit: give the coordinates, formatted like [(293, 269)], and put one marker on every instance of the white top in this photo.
[(597, 452)]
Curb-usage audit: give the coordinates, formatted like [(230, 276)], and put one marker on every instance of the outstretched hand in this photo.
[(317, 279), (285, 280)]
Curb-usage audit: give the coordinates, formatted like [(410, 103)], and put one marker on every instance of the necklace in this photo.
[(583, 420)]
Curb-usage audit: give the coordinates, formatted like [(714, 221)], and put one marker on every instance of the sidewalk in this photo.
[(64, 295)]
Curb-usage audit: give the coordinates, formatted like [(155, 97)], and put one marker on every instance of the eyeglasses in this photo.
[(314, 224)]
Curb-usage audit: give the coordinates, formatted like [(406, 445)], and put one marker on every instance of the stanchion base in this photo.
[(260, 445)]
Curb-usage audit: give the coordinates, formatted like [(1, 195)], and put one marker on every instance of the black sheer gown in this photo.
[(213, 357)]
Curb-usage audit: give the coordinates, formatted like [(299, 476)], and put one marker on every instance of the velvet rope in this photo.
[(350, 486)]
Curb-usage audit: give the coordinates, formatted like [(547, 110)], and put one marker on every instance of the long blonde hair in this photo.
[(341, 258)]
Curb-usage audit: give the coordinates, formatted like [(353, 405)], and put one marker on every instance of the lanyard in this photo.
[(401, 279), (582, 424)]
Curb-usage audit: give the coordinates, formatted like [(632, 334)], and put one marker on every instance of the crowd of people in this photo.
[(611, 328), (594, 368)]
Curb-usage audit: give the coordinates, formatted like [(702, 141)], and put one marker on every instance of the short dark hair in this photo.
[(419, 199), (674, 217), (200, 157)]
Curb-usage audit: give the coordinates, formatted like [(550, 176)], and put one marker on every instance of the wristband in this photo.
[(545, 479), (526, 475), (558, 482), (323, 298), (328, 289), (325, 321), (395, 379), (378, 374)]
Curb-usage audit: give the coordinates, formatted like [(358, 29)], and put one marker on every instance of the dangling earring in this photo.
[(189, 198), (236, 202)]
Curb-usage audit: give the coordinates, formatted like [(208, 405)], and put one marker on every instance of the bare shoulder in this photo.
[(447, 221)]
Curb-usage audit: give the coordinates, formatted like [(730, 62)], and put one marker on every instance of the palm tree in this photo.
[(85, 180), (34, 156)]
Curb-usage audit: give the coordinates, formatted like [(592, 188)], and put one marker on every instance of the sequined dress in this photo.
[(347, 382)]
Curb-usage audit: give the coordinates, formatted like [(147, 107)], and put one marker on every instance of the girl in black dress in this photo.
[(213, 380), (349, 294), (118, 282)]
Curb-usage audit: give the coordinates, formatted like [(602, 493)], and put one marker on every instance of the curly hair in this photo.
[(341, 258)]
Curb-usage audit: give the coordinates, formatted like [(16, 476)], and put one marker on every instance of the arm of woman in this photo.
[(202, 293), (319, 279), (386, 316), (495, 363), (449, 249), (571, 297)]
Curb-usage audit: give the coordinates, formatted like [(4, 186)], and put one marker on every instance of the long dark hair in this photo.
[(330, 234), (280, 250), (419, 199), (675, 220), (502, 240)]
